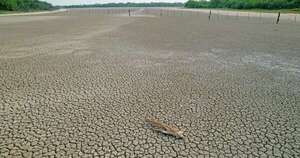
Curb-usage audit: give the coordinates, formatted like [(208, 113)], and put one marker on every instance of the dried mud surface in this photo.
[(82, 86)]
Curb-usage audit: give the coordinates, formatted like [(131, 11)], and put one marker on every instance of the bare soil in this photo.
[(81, 83)]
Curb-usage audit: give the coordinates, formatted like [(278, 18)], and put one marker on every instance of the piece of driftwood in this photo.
[(164, 128)]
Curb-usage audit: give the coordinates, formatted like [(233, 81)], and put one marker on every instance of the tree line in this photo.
[(24, 5), (244, 4), (153, 4)]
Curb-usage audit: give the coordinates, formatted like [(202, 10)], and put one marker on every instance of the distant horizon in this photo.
[(86, 2)]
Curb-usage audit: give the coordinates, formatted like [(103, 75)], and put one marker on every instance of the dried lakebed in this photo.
[(82, 86)]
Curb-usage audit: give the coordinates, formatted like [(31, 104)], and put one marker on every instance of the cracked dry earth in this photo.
[(82, 86)]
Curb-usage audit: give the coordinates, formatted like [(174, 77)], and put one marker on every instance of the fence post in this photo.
[(259, 15), (278, 18), (248, 16)]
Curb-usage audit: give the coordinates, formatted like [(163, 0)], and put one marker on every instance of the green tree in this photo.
[(244, 4), (24, 5)]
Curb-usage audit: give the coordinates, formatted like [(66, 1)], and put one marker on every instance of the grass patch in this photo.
[(295, 10), (15, 12), (9, 12)]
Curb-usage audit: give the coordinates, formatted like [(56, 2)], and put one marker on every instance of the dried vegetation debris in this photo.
[(159, 126)]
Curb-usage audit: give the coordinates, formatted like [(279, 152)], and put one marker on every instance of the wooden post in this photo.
[(278, 18), (209, 16), (248, 16), (259, 15)]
